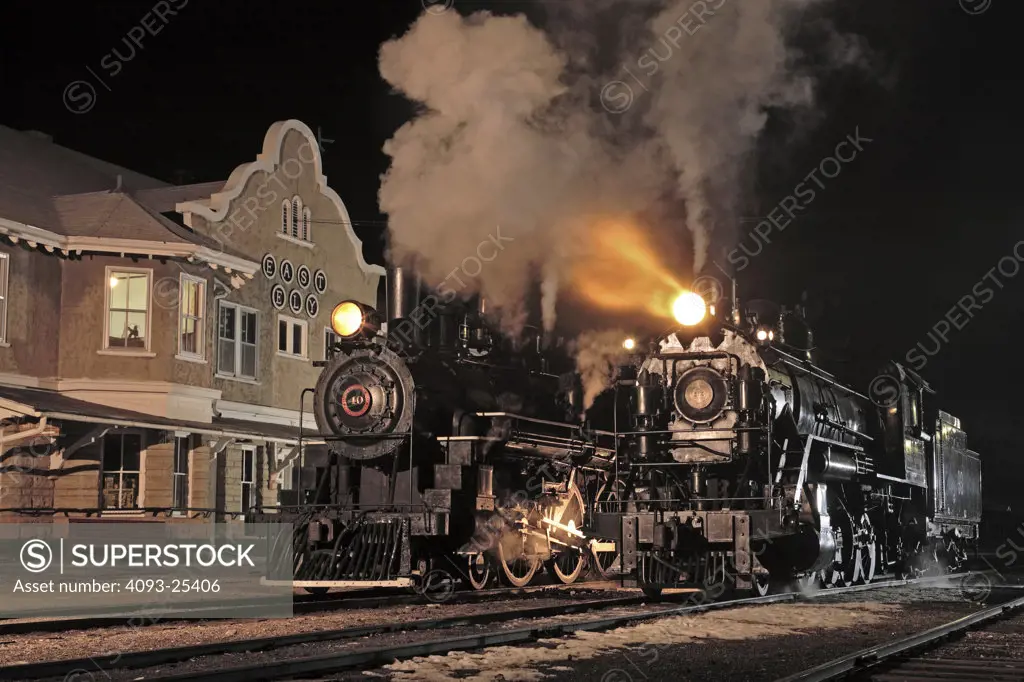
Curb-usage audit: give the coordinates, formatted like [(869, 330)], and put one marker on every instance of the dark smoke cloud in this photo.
[(513, 130)]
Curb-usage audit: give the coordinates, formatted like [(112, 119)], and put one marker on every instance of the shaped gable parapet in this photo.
[(224, 216)]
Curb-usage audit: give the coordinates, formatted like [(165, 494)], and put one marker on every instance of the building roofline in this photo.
[(52, 242), (268, 162), (96, 163)]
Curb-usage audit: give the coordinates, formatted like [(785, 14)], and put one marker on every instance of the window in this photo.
[(296, 221), (4, 272), (291, 336), (236, 341), (122, 454), (192, 310), (182, 450), (248, 478), (330, 338), (127, 320)]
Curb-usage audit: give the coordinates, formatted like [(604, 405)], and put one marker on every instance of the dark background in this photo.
[(886, 249)]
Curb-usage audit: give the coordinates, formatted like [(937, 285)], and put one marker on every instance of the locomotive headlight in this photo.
[(629, 344), (762, 335), (689, 309), (347, 319)]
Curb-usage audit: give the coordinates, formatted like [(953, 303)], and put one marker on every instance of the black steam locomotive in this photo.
[(718, 457)]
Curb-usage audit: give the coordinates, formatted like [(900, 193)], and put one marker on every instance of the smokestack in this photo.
[(397, 299)]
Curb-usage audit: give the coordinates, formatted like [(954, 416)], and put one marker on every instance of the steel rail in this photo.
[(304, 604), (145, 659), (383, 655), (872, 657)]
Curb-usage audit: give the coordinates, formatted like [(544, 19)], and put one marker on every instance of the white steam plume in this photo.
[(511, 132), (598, 354)]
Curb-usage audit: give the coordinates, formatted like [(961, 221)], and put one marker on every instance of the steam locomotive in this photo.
[(718, 457)]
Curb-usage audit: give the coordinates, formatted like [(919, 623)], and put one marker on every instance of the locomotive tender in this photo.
[(719, 457)]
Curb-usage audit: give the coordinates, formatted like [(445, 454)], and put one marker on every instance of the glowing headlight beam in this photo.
[(629, 344), (347, 319), (689, 309)]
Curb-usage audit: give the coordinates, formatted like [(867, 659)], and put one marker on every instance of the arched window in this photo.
[(285, 216), (306, 220), (296, 216)]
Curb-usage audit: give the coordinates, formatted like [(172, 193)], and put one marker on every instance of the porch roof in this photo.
[(34, 402)]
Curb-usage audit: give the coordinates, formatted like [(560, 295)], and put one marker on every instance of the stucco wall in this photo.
[(85, 284), (252, 226), (33, 312), (55, 320)]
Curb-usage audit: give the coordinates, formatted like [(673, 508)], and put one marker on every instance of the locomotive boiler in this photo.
[(721, 456)]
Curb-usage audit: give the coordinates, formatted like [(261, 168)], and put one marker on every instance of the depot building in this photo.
[(156, 339)]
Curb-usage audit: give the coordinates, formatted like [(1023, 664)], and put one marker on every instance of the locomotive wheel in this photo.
[(809, 582), (761, 584), (478, 571), (830, 577), (857, 549), (603, 563), (519, 571), (864, 560), (566, 566), (955, 556), (866, 553)]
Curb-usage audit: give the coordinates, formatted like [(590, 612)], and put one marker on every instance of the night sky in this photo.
[(885, 250)]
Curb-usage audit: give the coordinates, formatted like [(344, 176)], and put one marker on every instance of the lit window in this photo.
[(330, 338), (127, 309), (296, 216), (192, 311), (291, 336), (307, 218), (236, 341), (285, 216), (182, 449), (122, 454), (4, 274)]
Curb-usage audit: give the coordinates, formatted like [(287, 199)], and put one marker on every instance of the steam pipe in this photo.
[(647, 399), (842, 427), (743, 389)]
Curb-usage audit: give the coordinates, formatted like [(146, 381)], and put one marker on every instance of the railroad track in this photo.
[(102, 665), (903, 660), (303, 605)]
